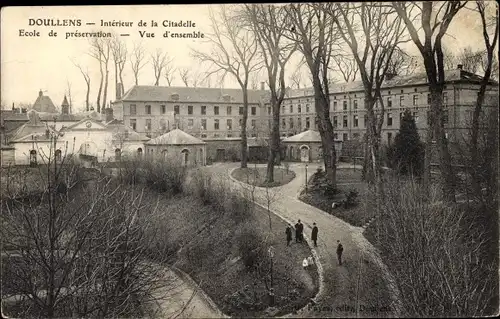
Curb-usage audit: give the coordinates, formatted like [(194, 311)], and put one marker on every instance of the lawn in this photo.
[(257, 176), (347, 179)]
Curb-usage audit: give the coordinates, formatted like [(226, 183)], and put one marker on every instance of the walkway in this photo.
[(353, 289)]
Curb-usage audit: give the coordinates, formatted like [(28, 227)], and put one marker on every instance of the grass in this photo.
[(257, 176), (357, 215), (206, 246)]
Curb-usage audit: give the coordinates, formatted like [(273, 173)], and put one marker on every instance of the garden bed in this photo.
[(257, 176)]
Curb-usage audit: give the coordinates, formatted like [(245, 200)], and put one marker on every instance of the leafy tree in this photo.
[(407, 153)]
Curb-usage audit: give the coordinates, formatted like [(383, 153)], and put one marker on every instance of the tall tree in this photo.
[(490, 37), (70, 96), (96, 52), (86, 77), (234, 52), (185, 75), (268, 24), (119, 52), (347, 66), (435, 18), (137, 61), (405, 155), (169, 73), (313, 31), (297, 78), (159, 60)]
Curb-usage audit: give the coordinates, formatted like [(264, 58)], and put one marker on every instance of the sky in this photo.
[(30, 63)]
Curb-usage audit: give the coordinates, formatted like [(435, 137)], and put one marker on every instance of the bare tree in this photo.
[(169, 73), (346, 66), (470, 59), (268, 24), (435, 18), (235, 53), (100, 50), (185, 75), (68, 93), (86, 77), (254, 81), (312, 29), (137, 61), (490, 41), (449, 58), (119, 52), (297, 78), (159, 60), (402, 63)]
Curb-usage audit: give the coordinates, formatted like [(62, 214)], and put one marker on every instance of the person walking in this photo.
[(340, 249), (314, 235), (297, 232), (301, 231), (288, 232)]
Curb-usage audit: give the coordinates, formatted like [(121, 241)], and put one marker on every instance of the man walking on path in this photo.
[(288, 234), (301, 231), (340, 249), (314, 235)]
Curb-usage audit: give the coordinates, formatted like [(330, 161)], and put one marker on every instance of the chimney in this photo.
[(262, 86), (109, 114), (40, 93), (118, 91), (460, 66), (13, 106)]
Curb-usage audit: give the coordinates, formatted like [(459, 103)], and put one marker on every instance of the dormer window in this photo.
[(226, 97), (175, 96)]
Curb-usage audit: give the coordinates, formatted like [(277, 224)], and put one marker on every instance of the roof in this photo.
[(306, 136), (175, 137), (120, 128), (34, 127), (43, 103), (65, 102), (190, 94)]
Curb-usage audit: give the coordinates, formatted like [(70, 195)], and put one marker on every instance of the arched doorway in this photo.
[(185, 157), (118, 154), (33, 158), (58, 156), (290, 153), (304, 153), (139, 151), (164, 154)]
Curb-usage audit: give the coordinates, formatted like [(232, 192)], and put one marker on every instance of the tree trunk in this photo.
[(325, 128), (274, 143), (87, 97), (244, 143), (100, 89), (105, 94), (116, 80)]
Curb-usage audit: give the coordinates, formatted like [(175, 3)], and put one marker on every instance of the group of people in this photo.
[(299, 238)]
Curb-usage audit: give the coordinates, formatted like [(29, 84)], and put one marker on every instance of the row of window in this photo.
[(203, 110), (190, 123)]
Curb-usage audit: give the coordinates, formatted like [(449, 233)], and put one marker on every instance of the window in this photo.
[(334, 105), (282, 109), (389, 138), (445, 98), (299, 122), (133, 124), (163, 109), (139, 151), (445, 117), (190, 123), (229, 110), (241, 110), (344, 137), (133, 109), (291, 109), (308, 124), (268, 110), (176, 109), (355, 121), (229, 135), (283, 123), (402, 100), (148, 125), (355, 104), (240, 123), (204, 124), (389, 101), (415, 116), (428, 117), (335, 136), (299, 109), (58, 155), (203, 110), (344, 122), (345, 105), (335, 122), (415, 89), (229, 124), (291, 123), (216, 124), (163, 125), (415, 100), (254, 110), (203, 135), (254, 125), (190, 109), (428, 99), (307, 108), (148, 109), (389, 119), (216, 110)]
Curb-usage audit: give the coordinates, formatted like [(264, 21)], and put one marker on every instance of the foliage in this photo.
[(407, 152)]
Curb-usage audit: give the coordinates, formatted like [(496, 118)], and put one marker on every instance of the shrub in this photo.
[(164, 176), (351, 198), (250, 248)]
